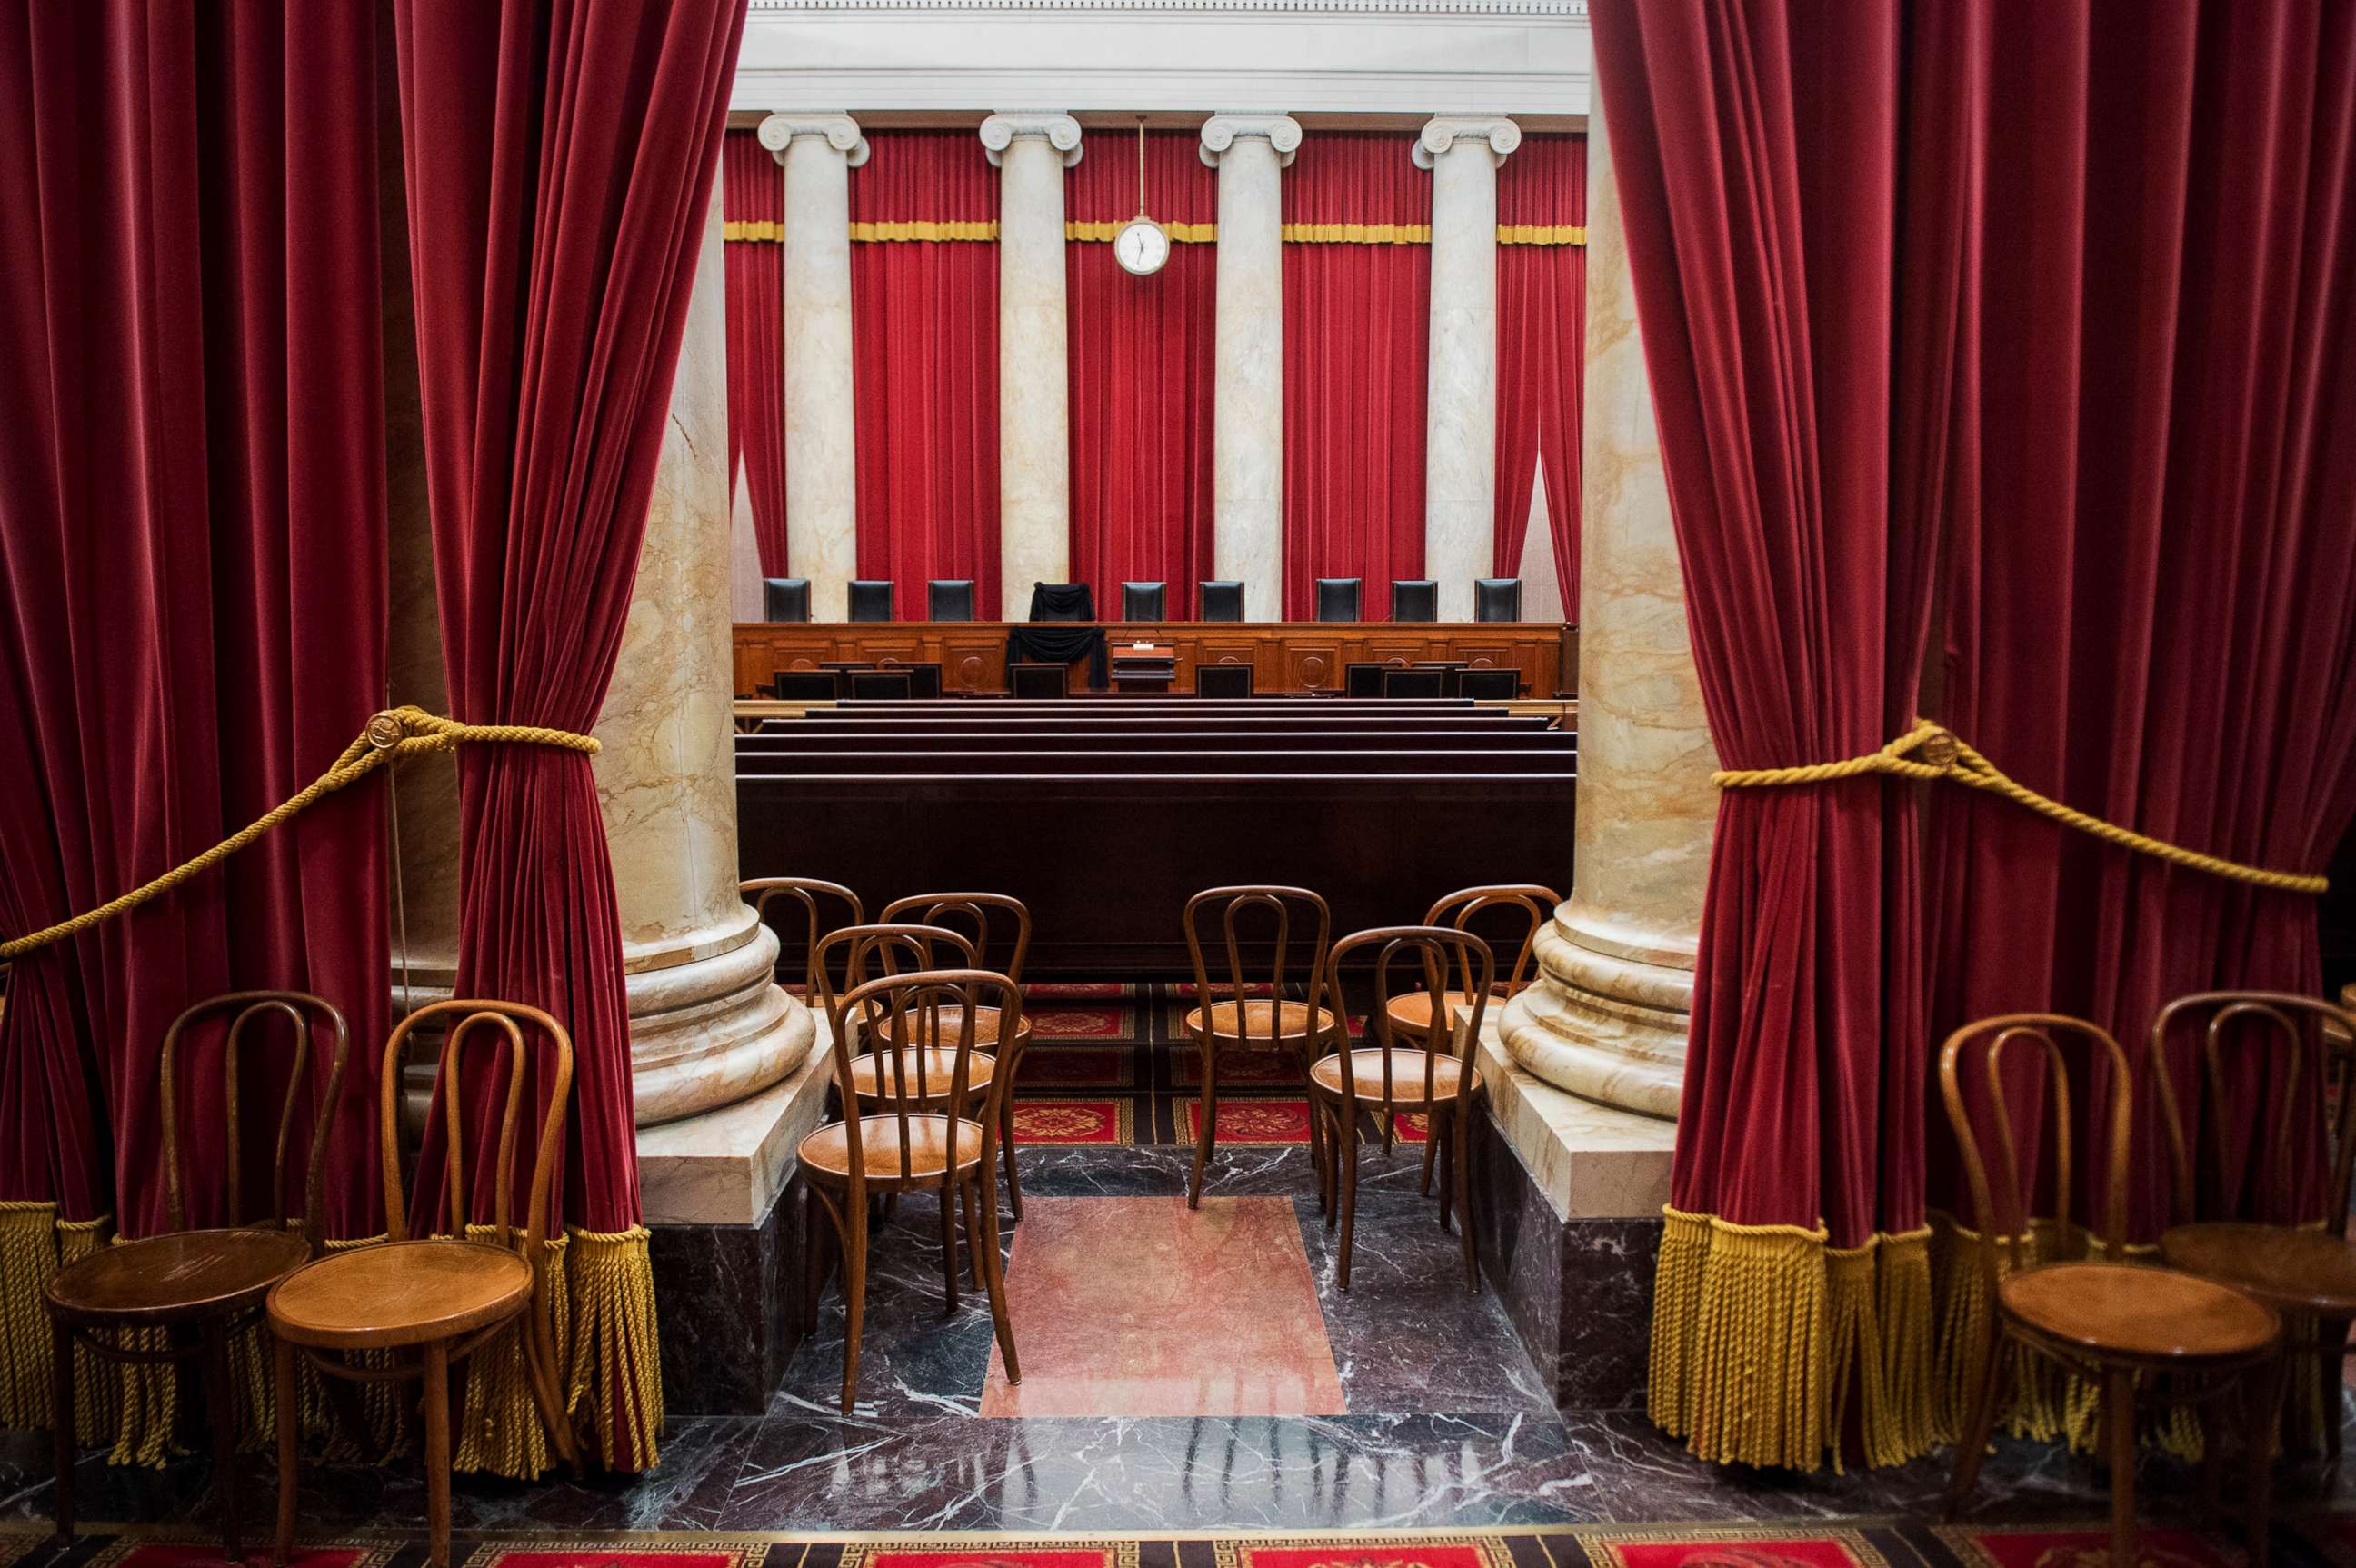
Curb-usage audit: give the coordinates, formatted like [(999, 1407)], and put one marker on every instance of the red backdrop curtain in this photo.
[(1541, 350), (1140, 373), (192, 601), (753, 211), (924, 328), (1358, 313), (560, 166)]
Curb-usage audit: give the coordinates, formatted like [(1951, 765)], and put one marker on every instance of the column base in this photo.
[(709, 1024), (1608, 1027)]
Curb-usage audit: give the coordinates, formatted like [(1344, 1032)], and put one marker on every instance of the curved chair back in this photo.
[(1222, 599), (1523, 909), (1436, 960), (868, 599), (939, 1006), (1337, 599), (303, 1013), (809, 893), (2301, 1052), (1281, 914), (999, 925), (1415, 599), (1496, 598), (950, 598), (505, 1023), (1143, 601), (2001, 1210), (785, 598), (901, 947)]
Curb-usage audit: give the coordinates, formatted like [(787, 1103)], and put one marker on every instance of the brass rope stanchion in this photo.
[(389, 736), (1931, 750)]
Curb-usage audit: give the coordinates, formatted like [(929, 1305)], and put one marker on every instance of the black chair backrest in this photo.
[(924, 680), (950, 598), (1489, 684), (881, 685), (1364, 680), (1142, 601), (1415, 682), (1036, 680), (1337, 599), (805, 685), (1223, 601), (870, 599), (1496, 598), (1415, 599), (785, 598), (1222, 680)]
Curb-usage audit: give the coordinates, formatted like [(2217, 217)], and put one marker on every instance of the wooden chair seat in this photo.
[(400, 1293), (1406, 1075), (871, 1075), (2127, 1309), (1411, 1011), (1252, 1020), (825, 1154), (174, 1277), (2295, 1271), (951, 1025)]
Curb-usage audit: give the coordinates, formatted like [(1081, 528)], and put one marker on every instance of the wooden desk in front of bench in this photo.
[(1285, 656)]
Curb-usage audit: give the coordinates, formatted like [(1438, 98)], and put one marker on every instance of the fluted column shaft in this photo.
[(1250, 152), (1609, 1017), (1459, 483), (1031, 151), (817, 153)]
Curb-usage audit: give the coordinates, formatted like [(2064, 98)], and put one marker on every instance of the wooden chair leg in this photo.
[(1006, 1142), (1436, 1133), (2331, 1369), (2261, 1389), (288, 1392), (1332, 1120), (973, 1234), (1430, 1143), (854, 1308), (1208, 1127), (1348, 1156), (2119, 1428), (539, 1371), (1306, 1058), (63, 1420), (950, 1190), (437, 1453), (1460, 1137), (221, 1415), (994, 1280), (1972, 1446)]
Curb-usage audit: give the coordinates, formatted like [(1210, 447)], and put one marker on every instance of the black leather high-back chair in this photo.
[(881, 685), (785, 598), (1036, 680), (1222, 680), (805, 685), (870, 599), (1489, 685), (1337, 599), (1223, 601), (1142, 601), (1496, 598), (1415, 682), (948, 598), (1362, 679), (1415, 599)]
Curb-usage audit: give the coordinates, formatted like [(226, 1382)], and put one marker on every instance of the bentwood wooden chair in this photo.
[(203, 1287), (999, 927), (2296, 1055), (1436, 1077), (2146, 1337), (1249, 920), (813, 897), (913, 1142), (430, 1300)]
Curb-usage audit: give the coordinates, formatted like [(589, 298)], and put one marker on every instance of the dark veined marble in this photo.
[(728, 1299)]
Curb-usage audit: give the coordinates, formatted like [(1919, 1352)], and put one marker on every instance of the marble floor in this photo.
[(1442, 1419)]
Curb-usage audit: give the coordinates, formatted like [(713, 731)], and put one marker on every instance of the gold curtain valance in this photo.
[(1105, 231), (752, 229), (946, 229), (1357, 233), (1541, 235)]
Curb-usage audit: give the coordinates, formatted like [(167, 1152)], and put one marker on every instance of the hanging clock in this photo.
[(1143, 245)]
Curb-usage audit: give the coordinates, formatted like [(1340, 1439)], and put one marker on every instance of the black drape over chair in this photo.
[(1063, 601), (950, 598), (870, 599), (1222, 680), (1337, 599), (1415, 599), (805, 685), (1489, 685), (1142, 601), (1496, 598), (785, 598), (1223, 601)]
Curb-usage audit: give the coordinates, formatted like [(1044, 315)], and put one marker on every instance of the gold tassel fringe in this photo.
[(616, 1362), (98, 1390), (502, 1431), (28, 1258)]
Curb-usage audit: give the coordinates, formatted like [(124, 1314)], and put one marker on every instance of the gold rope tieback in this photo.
[(388, 736), (1933, 751)]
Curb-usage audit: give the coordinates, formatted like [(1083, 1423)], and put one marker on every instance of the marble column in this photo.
[(1032, 149), (1248, 356), (817, 153), (744, 595), (1459, 476), (1609, 1016)]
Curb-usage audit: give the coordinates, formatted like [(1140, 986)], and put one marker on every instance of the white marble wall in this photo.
[(817, 153), (1031, 150), (1250, 152)]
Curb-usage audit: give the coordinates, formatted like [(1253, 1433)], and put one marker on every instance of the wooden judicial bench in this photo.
[(1285, 656)]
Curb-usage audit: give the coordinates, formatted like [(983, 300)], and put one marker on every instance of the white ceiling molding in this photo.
[(1421, 56)]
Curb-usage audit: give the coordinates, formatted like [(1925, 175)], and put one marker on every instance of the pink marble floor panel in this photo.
[(1137, 1307)]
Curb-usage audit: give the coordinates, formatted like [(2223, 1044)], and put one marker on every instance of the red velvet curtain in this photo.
[(1141, 376), (561, 158), (1541, 349), (923, 325), (1357, 312), (753, 207), (192, 584)]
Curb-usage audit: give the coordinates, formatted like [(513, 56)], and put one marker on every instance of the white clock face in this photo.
[(1141, 247)]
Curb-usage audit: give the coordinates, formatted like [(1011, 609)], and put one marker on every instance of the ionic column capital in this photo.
[(840, 131), (1221, 131), (1442, 131), (1059, 131)]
